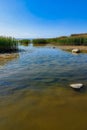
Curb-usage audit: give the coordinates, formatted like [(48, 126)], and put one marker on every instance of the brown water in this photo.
[(35, 92)]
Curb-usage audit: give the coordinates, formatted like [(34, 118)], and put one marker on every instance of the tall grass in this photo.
[(71, 41), (39, 41), (74, 39), (8, 44)]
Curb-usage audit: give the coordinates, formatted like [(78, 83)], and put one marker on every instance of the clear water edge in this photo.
[(35, 92)]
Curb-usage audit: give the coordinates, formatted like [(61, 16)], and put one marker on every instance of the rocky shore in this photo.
[(70, 48)]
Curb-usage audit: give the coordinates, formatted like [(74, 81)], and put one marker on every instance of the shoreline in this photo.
[(83, 49), (8, 56), (73, 47)]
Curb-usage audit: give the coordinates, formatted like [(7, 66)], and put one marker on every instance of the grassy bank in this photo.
[(25, 42), (40, 41), (8, 44), (74, 39)]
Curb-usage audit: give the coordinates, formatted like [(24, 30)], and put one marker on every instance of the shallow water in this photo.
[(35, 92)]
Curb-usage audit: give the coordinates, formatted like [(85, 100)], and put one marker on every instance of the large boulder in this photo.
[(76, 86), (75, 51)]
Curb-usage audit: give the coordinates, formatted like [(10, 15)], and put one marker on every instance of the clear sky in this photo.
[(42, 18)]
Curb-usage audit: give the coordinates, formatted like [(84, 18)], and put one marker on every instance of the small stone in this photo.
[(76, 86)]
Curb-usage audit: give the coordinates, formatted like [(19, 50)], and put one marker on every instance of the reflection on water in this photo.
[(35, 92), (25, 44)]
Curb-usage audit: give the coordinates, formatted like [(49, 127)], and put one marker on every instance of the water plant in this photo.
[(8, 44)]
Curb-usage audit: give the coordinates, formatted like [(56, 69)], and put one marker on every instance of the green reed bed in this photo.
[(74, 39), (25, 41), (8, 44), (40, 41), (71, 41)]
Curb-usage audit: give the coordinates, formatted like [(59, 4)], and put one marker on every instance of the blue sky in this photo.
[(42, 18)]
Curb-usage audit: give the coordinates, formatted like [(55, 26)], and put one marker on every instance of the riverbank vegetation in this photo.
[(70, 40), (25, 42), (74, 39), (40, 41), (8, 44)]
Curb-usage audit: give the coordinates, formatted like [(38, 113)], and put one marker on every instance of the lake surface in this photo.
[(35, 92)]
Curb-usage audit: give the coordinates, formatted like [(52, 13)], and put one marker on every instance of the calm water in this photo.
[(35, 92)]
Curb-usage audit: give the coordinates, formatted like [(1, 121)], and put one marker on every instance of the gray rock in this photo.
[(76, 86), (75, 51)]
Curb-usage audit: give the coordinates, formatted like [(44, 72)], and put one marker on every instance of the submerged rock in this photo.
[(76, 86), (75, 51)]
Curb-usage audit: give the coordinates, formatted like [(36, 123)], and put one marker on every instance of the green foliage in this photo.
[(8, 44), (74, 39), (24, 41), (39, 41)]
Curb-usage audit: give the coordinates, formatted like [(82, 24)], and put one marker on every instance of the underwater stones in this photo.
[(76, 86)]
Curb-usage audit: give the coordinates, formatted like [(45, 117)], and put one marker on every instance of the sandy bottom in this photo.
[(5, 58), (8, 56), (52, 109)]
